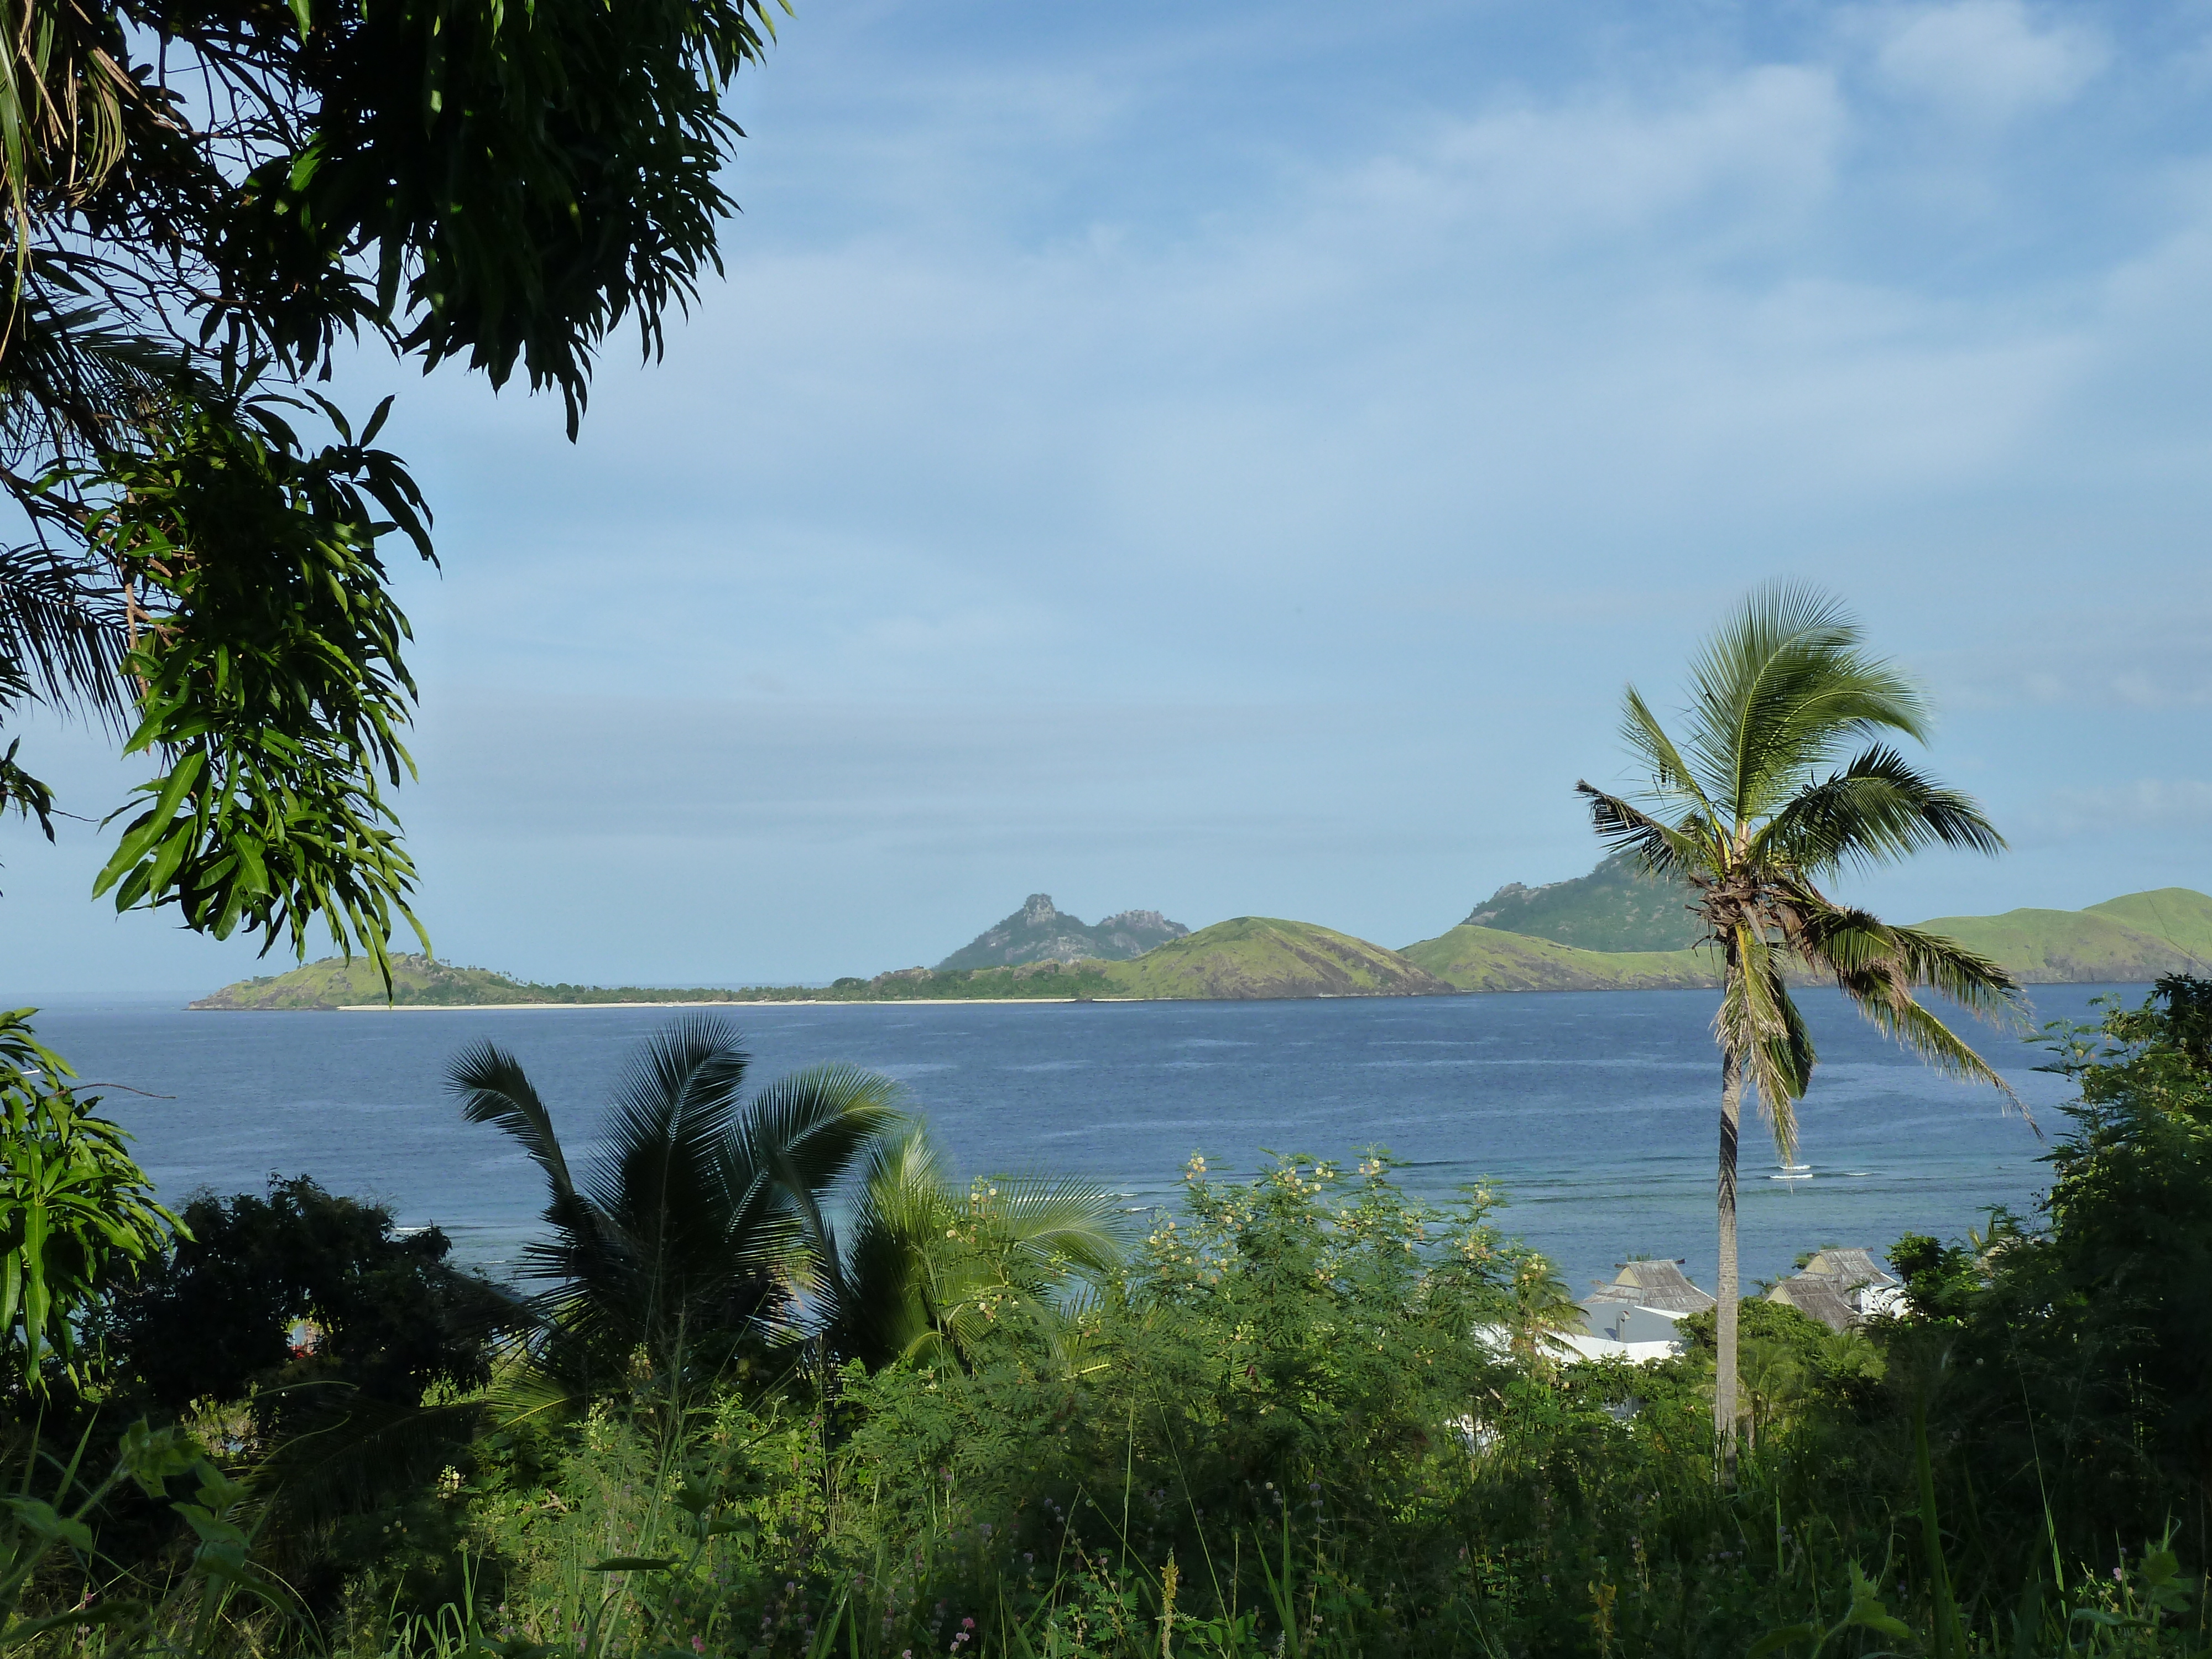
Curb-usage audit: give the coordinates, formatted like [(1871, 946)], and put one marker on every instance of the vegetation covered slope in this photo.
[(1613, 909), (338, 981), (2128, 940), (1041, 932), (1257, 956), (419, 982), (2182, 918), (1471, 958)]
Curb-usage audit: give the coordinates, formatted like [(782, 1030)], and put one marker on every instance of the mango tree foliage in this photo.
[(76, 1214), (203, 203)]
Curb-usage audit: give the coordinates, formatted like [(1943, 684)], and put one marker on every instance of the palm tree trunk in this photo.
[(1725, 1313)]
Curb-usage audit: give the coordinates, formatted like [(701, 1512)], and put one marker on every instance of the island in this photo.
[(1596, 933)]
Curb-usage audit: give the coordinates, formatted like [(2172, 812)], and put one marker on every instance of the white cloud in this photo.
[(1599, 166), (2168, 804), (2126, 663), (1986, 61)]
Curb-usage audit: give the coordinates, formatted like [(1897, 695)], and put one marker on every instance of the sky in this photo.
[(1229, 459)]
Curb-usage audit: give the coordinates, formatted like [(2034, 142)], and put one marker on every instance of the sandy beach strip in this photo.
[(759, 1002)]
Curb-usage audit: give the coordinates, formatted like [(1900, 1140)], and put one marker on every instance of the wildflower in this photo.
[(698, 1645), (967, 1624), (2116, 1575)]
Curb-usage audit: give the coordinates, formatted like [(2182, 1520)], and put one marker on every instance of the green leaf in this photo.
[(1775, 1640), (218, 1491), (42, 1521), (150, 1457), (147, 829)]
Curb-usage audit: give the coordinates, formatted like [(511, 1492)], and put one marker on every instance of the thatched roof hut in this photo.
[(1818, 1295), (1653, 1282), (1861, 1279)]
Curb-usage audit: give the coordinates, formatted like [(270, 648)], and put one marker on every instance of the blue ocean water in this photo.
[(1595, 1113)]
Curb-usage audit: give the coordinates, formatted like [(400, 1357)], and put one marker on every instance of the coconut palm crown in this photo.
[(691, 1230), (928, 1272), (1749, 811)]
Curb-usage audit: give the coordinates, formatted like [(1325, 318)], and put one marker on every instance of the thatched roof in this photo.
[(1818, 1296), (1851, 1269), (1657, 1283)]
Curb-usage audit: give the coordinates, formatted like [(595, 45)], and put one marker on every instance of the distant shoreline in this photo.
[(726, 1002), (2131, 940)]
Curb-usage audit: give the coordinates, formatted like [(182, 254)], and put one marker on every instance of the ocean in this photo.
[(1594, 1114)]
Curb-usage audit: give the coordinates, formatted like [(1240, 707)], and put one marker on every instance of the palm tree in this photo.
[(929, 1271), (1741, 814), (691, 1231)]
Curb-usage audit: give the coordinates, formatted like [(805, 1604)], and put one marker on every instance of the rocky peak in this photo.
[(1041, 932)]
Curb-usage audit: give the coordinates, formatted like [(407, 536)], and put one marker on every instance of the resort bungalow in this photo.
[(1839, 1288), (1643, 1303)]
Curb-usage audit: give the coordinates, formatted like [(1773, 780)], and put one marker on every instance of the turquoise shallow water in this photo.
[(1595, 1112)]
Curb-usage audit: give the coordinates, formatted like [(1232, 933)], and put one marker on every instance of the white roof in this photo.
[(1604, 1347)]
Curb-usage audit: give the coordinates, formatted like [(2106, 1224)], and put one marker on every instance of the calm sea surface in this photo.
[(1595, 1112)]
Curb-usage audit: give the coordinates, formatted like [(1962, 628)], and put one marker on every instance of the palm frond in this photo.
[(495, 1089), (63, 633), (1859, 947), (659, 1183), (878, 1300), (1672, 852), (1973, 981), (1046, 1220), (1876, 810), (74, 384), (1879, 966), (672, 1106), (904, 1179), (816, 1122), (1672, 776), (1759, 1021), (1782, 686), (1904, 1019)]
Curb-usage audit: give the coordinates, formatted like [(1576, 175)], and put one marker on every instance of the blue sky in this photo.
[(1227, 460)]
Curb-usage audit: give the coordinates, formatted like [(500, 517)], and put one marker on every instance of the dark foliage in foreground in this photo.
[(286, 1298)]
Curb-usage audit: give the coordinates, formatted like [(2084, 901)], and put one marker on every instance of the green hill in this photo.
[(1615, 907), (2182, 918), (419, 982), (2124, 940), (343, 981), (1470, 958), (1252, 957)]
